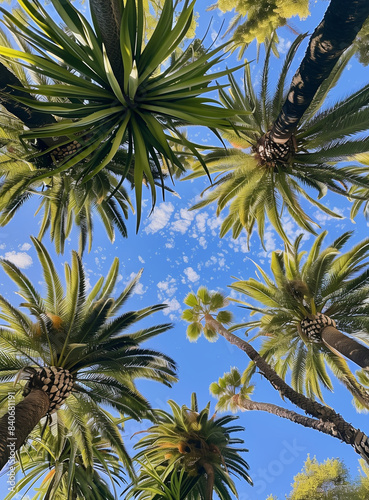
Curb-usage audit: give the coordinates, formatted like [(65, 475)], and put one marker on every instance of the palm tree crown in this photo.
[(78, 350), (257, 189), (312, 294), (200, 445), (113, 93)]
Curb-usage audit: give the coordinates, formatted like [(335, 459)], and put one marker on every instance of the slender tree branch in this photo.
[(343, 429)]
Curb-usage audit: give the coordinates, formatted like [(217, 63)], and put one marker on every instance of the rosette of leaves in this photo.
[(255, 191), (324, 280), (201, 303), (201, 445), (113, 93)]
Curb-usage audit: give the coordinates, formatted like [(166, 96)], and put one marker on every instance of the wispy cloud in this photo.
[(160, 218)]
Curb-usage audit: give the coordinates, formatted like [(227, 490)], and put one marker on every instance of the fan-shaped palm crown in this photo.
[(114, 92), (59, 463), (78, 349), (256, 190), (310, 296), (201, 445)]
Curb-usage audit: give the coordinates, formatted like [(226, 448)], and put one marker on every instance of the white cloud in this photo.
[(173, 307), (20, 259), (25, 247), (183, 221), (203, 242), (167, 288), (2, 246), (283, 45), (191, 274), (141, 259), (159, 218)]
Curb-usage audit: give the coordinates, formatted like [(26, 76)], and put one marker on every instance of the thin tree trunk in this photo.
[(107, 15), (343, 429), (279, 411), (338, 29), (30, 117), (209, 479), (338, 342), (13, 433)]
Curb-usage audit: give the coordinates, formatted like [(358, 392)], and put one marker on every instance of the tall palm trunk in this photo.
[(13, 433), (338, 342), (343, 430), (339, 27), (107, 16), (279, 411)]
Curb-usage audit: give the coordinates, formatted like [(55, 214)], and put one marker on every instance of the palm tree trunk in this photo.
[(107, 15), (13, 433), (210, 478), (279, 411), (30, 117), (343, 430), (339, 27), (349, 347)]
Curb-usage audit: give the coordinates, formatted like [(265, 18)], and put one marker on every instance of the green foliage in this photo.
[(57, 462), (192, 443), (255, 191), (258, 20), (325, 280), (202, 303), (362, 44), (83, 333), (230, 390), (101, 113), (318, 480)]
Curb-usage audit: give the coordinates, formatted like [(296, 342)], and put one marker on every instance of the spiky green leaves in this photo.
[(255, 191), (201, 303), (192, 441), (303, 284), (100, 111), (229, 389), (83, 333)]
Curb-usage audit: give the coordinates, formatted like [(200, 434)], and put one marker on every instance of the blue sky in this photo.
[(181, 250)]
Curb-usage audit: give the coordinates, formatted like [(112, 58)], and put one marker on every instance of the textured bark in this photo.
[(279, 411), (30, 117), (343, 430), (338, 342), (338, 29), (107, 15), (27, 415), (210, 479)]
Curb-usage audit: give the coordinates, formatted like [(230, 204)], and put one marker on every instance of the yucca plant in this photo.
[(77, 351), (257, 189), (112, 86), (200, 444), (304, 308), (204, 315), (54, 466)]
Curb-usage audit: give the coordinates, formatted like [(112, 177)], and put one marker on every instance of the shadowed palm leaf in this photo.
[(300, 309), (256, 191)]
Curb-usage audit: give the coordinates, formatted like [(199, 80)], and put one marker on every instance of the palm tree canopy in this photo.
[(256, 190), (81, 333), (324, 280), (100, 106), (189, 439), (58, 462)]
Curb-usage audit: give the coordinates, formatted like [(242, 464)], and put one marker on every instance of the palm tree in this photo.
[(257, 190), (59, 463), (77, 352), (112, 93), (200, 445), (201, 316), (233, 393), (302, 305)]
